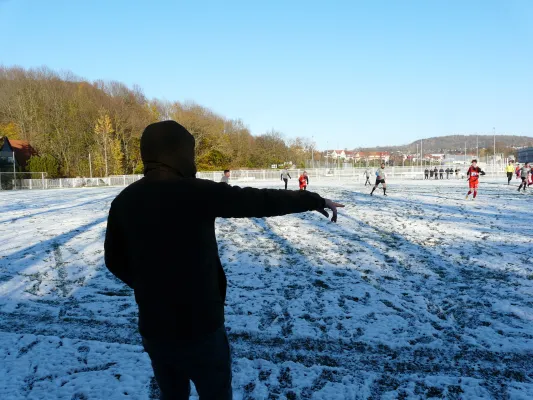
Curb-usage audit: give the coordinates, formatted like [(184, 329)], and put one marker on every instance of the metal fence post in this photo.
[(124, 176), (60, 183)]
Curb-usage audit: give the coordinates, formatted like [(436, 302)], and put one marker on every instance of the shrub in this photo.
[(45, 163)]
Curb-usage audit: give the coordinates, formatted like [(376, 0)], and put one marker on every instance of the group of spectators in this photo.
[(437, 173)]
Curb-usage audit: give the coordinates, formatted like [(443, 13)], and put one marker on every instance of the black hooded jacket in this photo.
[(160, 237)]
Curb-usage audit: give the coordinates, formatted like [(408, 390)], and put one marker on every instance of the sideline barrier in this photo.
[(17, 181)]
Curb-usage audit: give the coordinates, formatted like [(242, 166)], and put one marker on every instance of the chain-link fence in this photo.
[(21, 180), (346, 174), (38, 180)]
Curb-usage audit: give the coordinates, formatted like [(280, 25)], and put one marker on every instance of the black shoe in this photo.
[(384, 194)]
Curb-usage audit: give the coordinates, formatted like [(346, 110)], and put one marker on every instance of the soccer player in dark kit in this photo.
[(380, 179), (160, 241)]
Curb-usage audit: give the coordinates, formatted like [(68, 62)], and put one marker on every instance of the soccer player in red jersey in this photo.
[(473, 178), (303, 180)]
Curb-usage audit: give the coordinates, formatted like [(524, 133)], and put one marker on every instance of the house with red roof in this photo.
[(21, 150), (373, 156), (342, 154)]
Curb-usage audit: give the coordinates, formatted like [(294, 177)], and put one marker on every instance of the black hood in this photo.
[(168, 147)]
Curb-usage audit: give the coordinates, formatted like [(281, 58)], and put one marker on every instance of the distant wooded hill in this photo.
[(456, 143)]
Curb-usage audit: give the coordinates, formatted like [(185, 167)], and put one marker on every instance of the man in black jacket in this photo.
[(161, 242)]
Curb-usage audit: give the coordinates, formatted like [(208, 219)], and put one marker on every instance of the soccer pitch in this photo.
[(419, 294)]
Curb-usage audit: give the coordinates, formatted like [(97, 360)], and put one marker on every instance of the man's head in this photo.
[(168, 146), (227, 172), (474, 163), (383, 165), (510, 162), (305, 173)]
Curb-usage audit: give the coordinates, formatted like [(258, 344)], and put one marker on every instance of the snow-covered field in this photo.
[(420, 294)]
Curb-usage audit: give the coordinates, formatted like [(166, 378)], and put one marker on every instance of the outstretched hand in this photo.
[(333, 207)]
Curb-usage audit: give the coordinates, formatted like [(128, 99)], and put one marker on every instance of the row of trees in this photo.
[(78, 127)]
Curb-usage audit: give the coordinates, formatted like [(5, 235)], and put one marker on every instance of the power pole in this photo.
[(494, 158), (422, 153), (14, 172), (327, 154), (312, 152)]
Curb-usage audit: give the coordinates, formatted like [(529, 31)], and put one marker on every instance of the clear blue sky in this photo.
[(352, 73)]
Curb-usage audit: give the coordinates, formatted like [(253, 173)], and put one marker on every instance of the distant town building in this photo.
[(22, 151), (372, 156), (342, 154), (525, 155)]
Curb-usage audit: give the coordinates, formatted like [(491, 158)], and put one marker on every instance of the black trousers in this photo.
[(286, 181), (206, 361), (509, 177)]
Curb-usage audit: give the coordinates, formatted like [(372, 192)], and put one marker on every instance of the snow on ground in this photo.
[(416, 295)]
